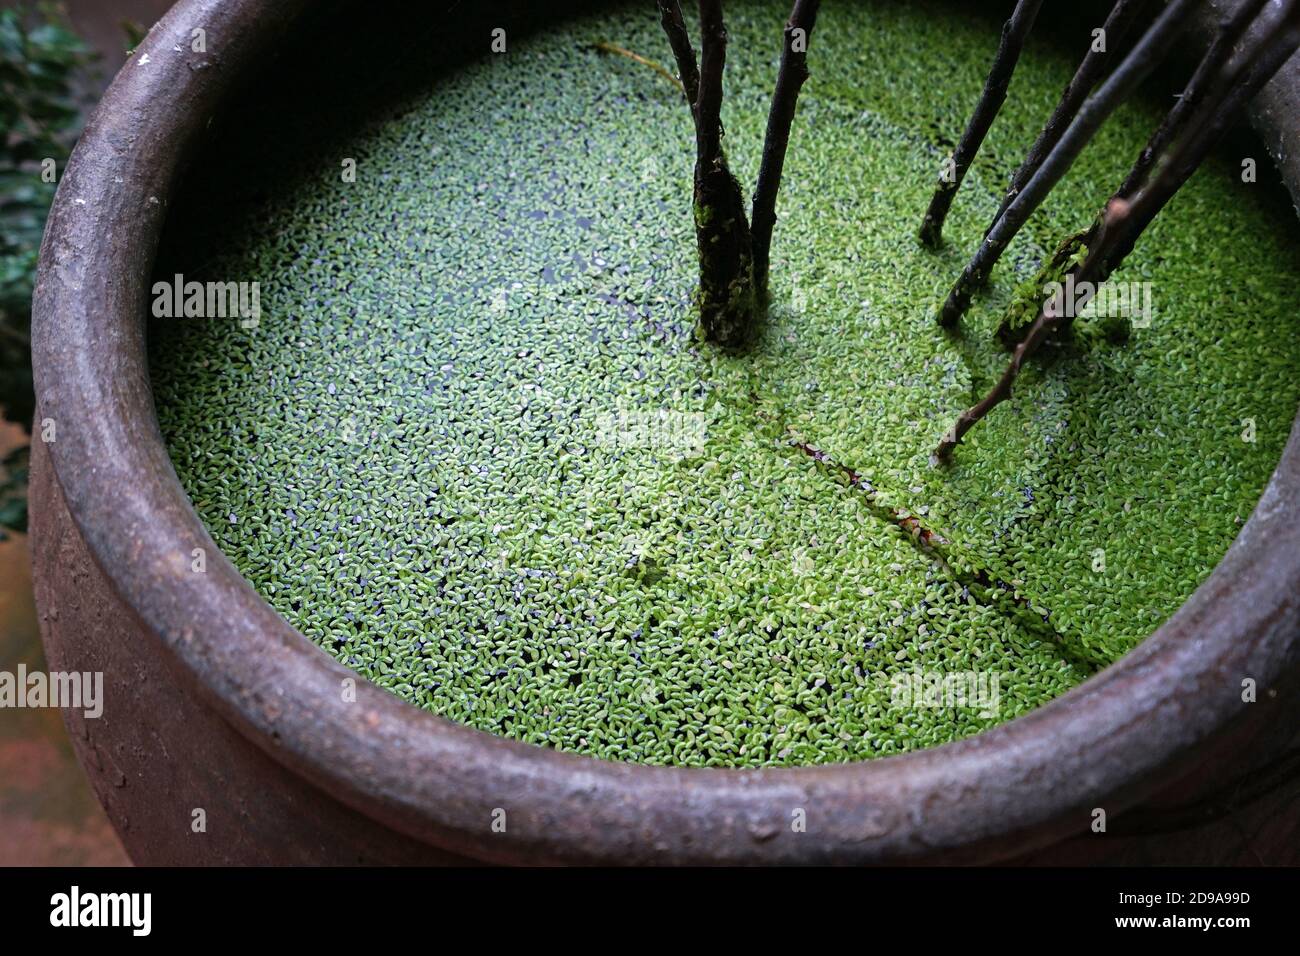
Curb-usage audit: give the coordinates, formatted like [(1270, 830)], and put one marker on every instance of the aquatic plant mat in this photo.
[(473, 450)]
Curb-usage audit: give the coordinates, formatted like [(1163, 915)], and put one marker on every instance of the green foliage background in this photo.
[(40, 117)]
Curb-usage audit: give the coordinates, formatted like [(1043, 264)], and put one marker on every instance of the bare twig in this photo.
[(789, 81), (670, 16), (1048, 320), (1124, 222), (1086, 77), (977, 584), (605, 46), (1014, 33), (1209, 77), (1223, 105), (728, 305), (713, 63), (925, 537), (1150, 51), (1230, 31)]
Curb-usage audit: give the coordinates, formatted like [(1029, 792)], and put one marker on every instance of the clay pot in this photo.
[(214, 702)]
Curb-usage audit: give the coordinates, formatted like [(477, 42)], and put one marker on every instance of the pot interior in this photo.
[(470, 446)]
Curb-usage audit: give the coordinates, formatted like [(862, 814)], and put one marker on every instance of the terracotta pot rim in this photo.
[(1014, 787)]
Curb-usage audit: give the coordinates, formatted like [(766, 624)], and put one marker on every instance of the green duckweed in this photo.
[(474, 451)]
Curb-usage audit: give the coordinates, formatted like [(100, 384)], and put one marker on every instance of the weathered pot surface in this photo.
[(214, 702)]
